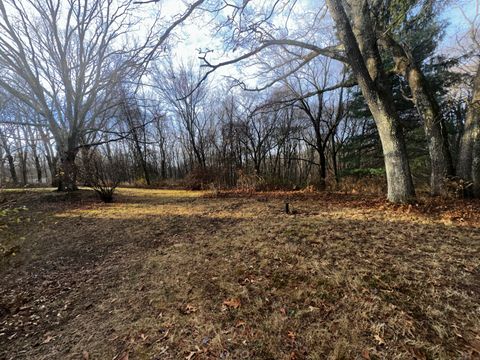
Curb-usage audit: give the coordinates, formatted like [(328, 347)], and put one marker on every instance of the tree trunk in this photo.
[(476, 156), (435, 131), (23, 166), (473, 118), (10, 159), (141, 157), (38, 167), (68, 171), (87, 168), (52, 167), (2, 169), (28, 132), (52, 159), (368, 74), (198, 155), (334, 160), (36, 159), (323, 169), (399, 180), (22, 158), (11, 167), (429, 110), (469, 157)]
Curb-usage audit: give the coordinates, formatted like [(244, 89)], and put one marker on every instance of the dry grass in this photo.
[(183, 275)]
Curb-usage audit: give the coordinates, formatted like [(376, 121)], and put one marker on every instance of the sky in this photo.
[(197, 32), (458, 24)]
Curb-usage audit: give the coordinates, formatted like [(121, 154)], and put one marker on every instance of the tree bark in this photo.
[(33, 145), (141, 157), (22, 157), (68, 171), (38, 168), (429, 110), (469, 157), (52, 167), (323, 169), (11, 167), (10, 159), (52, 159), (334, 160), (473, 120), (476, 157), (367, 70)]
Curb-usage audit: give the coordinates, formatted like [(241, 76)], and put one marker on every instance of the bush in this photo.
[(249, 182), (459, 188), (101, 175), (201, 179)]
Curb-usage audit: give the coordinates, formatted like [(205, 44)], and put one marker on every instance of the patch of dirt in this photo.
[(162, 274)]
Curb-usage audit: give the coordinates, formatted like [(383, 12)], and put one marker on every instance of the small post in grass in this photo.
[(287, 208)]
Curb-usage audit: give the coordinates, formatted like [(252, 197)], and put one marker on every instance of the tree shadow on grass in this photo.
[(316, 286)]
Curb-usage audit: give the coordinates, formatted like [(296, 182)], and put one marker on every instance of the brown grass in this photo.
[(162, 274)]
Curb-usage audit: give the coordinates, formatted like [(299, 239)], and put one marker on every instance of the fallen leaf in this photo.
[(47, 339), (190, 309), (366, 354), (233, 303), (291, 335), (86, 355), (379, 339)]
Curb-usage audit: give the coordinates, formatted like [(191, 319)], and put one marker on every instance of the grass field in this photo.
[(163, 274)]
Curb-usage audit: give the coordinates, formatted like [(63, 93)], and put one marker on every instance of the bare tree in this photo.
[(313, 79), (178, 88), (62, 58), (358, 48), (256, 130)]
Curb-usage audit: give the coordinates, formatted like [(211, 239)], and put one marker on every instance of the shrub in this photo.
[(101, 175)]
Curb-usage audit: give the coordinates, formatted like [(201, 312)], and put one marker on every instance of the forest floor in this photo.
[(169, 274)]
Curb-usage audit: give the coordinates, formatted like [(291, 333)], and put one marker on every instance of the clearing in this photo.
[(165, 274)]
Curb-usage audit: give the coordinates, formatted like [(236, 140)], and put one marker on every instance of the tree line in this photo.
[(320, 93)]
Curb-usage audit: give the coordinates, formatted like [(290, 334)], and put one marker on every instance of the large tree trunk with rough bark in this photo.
[(468, 165), (435, 131), (399, 179), (476, 157), (364, 59), (473, 119), (67, 180), (429, 110)]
